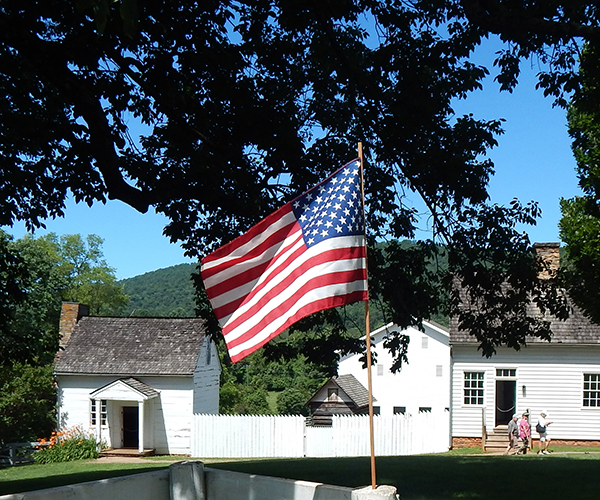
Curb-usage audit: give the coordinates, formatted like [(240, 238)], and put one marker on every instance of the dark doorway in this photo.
[(131, 426), (505, 400)]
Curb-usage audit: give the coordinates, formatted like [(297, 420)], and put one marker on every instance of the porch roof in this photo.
[(125, 389)]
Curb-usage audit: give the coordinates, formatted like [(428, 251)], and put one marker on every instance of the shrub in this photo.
[(64, 446), (27, 402)]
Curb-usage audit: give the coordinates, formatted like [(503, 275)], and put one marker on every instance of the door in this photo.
[(505, 400), (131, 426)]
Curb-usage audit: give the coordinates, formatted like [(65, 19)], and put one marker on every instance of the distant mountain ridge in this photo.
[(167, 292)]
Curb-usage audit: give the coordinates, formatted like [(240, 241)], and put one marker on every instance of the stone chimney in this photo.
[(70, 314), (549, 255)]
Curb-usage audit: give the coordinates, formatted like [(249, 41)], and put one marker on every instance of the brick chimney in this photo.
[(549, 255), (70, 314)]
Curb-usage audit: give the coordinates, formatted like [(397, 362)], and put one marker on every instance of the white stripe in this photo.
[(272, 277), (282, 297), (314, 295), (287, 219), (246, 288)]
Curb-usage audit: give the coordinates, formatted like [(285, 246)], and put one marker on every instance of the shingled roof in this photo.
[(132, 346), (353, 388), (577, 329)]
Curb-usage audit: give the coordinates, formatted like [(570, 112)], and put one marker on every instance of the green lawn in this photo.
[(444, 476), (451, 476), (34, 477)]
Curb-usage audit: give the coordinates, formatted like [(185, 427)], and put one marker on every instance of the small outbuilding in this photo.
[(135, 382), (343, 395)]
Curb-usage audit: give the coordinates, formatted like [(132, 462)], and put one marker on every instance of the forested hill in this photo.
[(165, 292), (169, 292)]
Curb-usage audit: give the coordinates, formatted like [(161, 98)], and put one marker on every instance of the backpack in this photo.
[(540, 428)]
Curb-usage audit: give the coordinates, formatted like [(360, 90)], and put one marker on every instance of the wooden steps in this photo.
[(126, 452), (497, 439)]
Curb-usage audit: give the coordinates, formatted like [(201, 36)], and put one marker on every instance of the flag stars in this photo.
[(331, 209)]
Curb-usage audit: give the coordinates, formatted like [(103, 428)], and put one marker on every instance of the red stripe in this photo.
[(313, 284), (313, 307), (283, 267), (251, 273), (273, 241), (226, 309), (259, 228)]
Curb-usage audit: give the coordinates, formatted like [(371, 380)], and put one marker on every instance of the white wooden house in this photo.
[(422, 385), (561, 376), (135, 382)]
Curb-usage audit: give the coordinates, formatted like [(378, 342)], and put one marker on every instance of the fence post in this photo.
[(187, 481), (483, 429)]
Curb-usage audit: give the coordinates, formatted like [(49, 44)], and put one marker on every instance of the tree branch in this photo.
[(514, 24)]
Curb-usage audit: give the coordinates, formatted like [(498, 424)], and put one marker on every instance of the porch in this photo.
[(127, 452)]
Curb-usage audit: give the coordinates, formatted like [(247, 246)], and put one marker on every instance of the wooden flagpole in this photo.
[(368, 333)]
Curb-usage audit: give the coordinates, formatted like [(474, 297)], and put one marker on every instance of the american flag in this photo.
[(305, 257)]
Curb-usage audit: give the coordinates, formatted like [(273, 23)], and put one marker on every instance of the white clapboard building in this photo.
[(422, 384), (561, 377), (135, 382)]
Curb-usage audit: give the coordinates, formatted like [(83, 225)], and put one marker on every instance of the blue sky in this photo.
[(533, 162)]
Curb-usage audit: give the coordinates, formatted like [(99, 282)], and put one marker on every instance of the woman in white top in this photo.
[(542, 429)]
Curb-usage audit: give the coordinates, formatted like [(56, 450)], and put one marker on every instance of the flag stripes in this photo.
[(275, 274)]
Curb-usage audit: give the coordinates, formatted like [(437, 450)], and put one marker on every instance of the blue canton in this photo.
[(332, 208)]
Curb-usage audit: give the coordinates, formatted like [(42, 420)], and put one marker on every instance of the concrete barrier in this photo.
[(148, 485), (192, 481)]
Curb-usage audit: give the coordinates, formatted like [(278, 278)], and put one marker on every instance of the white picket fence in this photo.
[(266, 436)]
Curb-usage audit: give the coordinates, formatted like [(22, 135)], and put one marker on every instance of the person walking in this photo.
[(542, 430), (513, 434), (524, 433)]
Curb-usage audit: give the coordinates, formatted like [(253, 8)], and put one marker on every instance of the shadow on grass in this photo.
[(441, 477), (37, 477), (424, 477)]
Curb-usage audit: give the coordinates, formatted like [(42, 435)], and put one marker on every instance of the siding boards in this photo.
[(549, 377)]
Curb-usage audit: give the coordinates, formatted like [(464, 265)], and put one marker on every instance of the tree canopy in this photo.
[(580, 222), (215, 113), (36, 275), (40, 274)]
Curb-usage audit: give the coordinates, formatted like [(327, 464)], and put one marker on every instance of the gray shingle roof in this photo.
[(133, 346), (135, 384), (577, 329), (354, 389)]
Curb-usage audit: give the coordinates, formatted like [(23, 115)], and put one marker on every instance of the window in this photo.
[(399, 410), (379, 370), (424, 409), (591, 389), (424, 342), (506, 372), (473, 388), (332, 394), (439, 370), (94, 414)]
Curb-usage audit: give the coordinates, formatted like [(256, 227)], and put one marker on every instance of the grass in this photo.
[(35, 477), (272, 401), (459, 474)]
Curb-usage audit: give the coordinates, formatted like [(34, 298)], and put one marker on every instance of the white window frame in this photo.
[(479, 395), (592, 388), (94, 414)]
